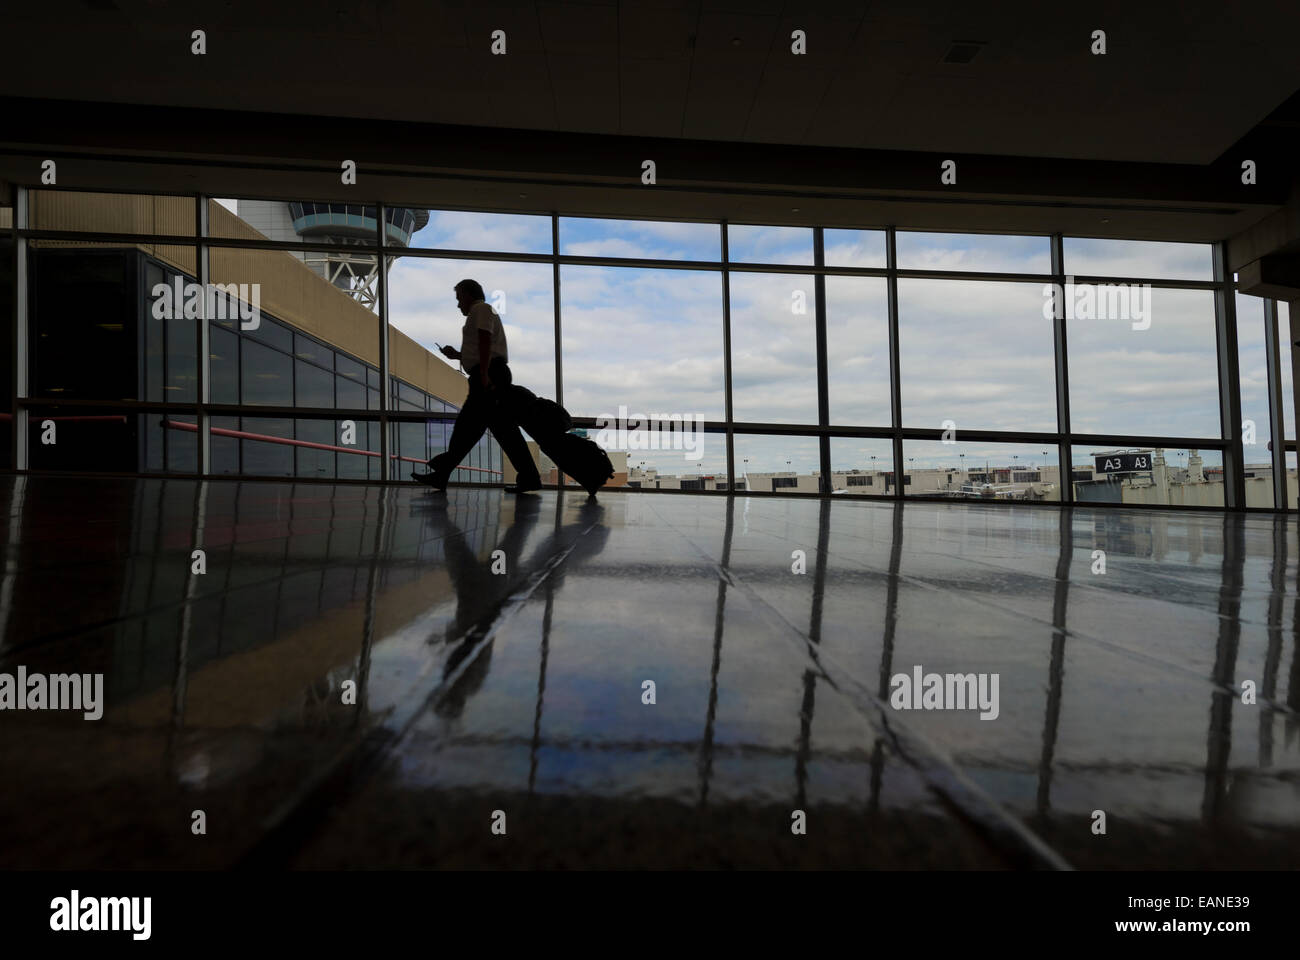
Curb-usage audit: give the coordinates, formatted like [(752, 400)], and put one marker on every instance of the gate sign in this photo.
[(1123, 462)]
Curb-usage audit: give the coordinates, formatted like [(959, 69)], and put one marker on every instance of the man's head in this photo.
[(468, 293)]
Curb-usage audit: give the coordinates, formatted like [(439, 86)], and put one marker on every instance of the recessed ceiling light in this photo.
[(794, 209), (1105, 219), (735, 41)]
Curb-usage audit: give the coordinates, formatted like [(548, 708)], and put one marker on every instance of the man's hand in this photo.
[(451, 353)]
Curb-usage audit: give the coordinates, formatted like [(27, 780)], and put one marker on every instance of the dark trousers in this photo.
[(487, 410)]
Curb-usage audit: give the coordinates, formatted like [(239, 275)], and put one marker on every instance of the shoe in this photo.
[(430, 480), (523, 487)]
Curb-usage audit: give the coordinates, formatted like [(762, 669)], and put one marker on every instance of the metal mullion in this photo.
[(555, 299), (895, 369), (425, 253), (823, 363), (1225, 321), (385, 384), (1080, 280), (1125, 440), (287, 246), (203, 269), (572, 260), (21, 361), (913, 274), (1064, 441), (86, 236), (1277, 430), (729, 412)]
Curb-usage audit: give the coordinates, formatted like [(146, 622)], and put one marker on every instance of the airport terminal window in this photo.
[(350, 394), (312, 387), (267, 375), (649, 340), (954, 356), (1150, 372), (646, 339), (773, 347), (468, 230), (747, 243), (275, 334), (645, 239), (989, 253), (857, 350), (305, 348), (223, 357), (1146, 259), (854, 248)]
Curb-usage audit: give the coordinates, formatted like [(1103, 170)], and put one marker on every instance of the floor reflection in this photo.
[(362, 675)]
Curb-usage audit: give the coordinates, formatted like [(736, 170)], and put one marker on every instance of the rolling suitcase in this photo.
[(580, 458), (540, 418)]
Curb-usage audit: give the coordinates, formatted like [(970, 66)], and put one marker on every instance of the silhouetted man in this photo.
[(483, 356)]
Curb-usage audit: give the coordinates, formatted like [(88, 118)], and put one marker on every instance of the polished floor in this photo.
[(500, 647)]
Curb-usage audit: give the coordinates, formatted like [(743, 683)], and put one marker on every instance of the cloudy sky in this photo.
[(978, 353)]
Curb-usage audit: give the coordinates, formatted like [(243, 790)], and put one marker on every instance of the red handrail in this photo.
[(245, 435)]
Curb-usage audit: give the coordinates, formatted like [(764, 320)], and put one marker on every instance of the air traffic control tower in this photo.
[(345, 225)]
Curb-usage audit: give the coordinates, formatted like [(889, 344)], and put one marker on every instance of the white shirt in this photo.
[(481, 317)]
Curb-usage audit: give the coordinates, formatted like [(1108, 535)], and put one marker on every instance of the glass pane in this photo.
[(89, 439), (957, 370), (861, 465), (487, 232), (857, 351), (305, 348), (773, 348), (1151, 476), (1252, 368), (349, 394), (262, 450), (1138, 258), (313, 387), (266, 374), (1148, 367), (647, 239), (296, 222), (99, 331), (776, 464), (660, 455), (6, 333), (223, 347), (971, 470), (330, 296), (647, 340), (423, 314), (993, 253), (853, 248), (110, 212), (757, 244)]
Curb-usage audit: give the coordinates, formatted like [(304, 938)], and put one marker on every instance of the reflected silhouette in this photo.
[(502, 572)]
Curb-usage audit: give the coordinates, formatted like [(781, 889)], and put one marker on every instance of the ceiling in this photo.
[(1180, 82)]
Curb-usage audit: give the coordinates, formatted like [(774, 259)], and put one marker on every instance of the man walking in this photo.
[(483, 356)]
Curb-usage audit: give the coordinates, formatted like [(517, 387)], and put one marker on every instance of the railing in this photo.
[(246, 435)]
